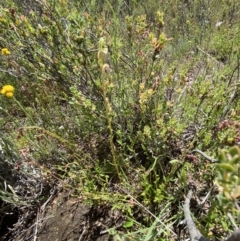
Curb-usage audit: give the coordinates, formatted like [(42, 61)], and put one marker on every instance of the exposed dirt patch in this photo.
[(69, 219)]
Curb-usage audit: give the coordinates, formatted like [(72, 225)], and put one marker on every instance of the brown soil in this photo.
[(69, 219)]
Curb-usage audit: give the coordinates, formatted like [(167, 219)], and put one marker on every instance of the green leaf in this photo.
[(227, 167), (128, 224), (174, 161)]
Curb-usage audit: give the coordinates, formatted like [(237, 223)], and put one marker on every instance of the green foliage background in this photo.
[(118, 93)]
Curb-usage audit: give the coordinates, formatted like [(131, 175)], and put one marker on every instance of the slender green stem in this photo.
[(109, 119), (24, 110)]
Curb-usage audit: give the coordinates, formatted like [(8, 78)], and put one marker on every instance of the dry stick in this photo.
[(232, 220), (192, 229), (195, 234), (49, 199), (205, 155), (36, 228), (206, 197), (235, 236)]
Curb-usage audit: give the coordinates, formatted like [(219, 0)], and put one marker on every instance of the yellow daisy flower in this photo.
[(7, 90), (5, 51), (9, 94)]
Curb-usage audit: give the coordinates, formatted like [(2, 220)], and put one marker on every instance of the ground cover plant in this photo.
[(125, 103)]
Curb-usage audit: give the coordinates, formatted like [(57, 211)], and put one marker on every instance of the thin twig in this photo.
[(206, 197), (194, 233), (232, 220), (49, 199), (235, 236), (205, 155), (36, 228)]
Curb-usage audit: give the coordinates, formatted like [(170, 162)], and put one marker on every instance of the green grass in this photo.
[(115, 94)]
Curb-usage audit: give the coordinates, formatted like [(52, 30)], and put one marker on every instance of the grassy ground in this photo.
[(110, 99)]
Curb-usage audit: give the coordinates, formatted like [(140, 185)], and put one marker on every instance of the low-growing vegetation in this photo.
[(115, 101)]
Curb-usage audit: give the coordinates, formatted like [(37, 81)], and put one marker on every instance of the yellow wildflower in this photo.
[(7, 90), (179, 90), (147, 131), (9, 94), (141, 86), (150, 92), (5, 51)]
